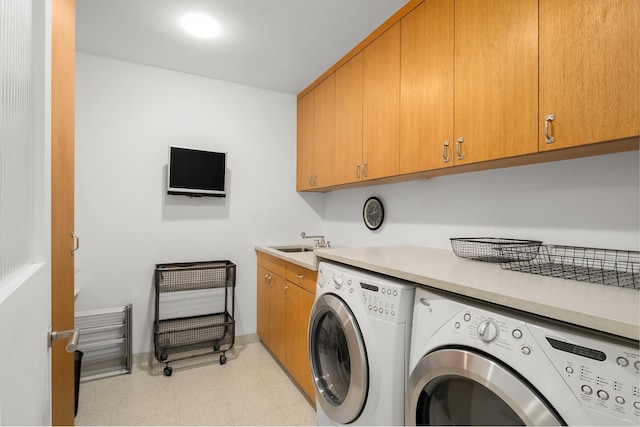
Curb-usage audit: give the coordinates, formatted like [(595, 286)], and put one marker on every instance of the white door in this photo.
[(25, 231)]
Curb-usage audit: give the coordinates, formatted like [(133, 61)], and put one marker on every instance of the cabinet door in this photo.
[(305, 147), (348, 154), (324, 131), (299, 303), (381, 105), (426, 87), (277, 314), (263, 305), (589, 71), (496, 79)]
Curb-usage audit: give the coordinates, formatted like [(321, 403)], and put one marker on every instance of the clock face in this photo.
[(373, 213)]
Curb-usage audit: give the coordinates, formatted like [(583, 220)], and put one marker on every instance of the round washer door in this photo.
[(338, 359), (462, 387)]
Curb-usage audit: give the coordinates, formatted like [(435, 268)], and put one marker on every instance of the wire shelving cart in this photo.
[(194, 310)]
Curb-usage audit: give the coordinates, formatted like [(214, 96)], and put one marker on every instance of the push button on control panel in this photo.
[(622, 361)]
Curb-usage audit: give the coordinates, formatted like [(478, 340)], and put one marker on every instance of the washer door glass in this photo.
[(462, 387), (338, 359)]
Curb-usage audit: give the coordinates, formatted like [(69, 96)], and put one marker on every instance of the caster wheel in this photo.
[(168, 370), (163, 356), (223, 359), (216, 346)]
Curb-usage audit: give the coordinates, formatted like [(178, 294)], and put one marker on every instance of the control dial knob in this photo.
[(337, 281), (488, 331)]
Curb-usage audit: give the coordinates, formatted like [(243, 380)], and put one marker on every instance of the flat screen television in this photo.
[(196, 173)]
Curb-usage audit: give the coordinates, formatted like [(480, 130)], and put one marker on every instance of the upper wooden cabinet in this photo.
[(324, 132), (493, 68), (381, 106), (367, 112), (589, 71), (470, 84), (496, 79), (426, 87), (348, 153), (305, 146), (316, 136)]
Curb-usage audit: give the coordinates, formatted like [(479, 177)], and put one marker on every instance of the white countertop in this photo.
[(303, 259), (608, 309)]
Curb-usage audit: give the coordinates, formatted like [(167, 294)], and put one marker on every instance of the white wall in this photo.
[(126, 116), (585, 202)]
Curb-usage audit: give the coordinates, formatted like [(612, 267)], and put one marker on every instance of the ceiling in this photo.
[(281, 45)]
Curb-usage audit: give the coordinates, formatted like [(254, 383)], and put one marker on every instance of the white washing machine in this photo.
[(359, 332), (478, 364)]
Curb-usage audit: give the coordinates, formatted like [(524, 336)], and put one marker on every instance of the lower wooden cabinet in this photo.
[(298, 308), (283, 309)]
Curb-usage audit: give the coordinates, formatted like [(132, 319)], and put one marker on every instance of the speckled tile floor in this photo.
[(250, 389)]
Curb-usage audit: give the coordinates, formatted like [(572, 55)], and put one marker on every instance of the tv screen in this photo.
[(196, 173)]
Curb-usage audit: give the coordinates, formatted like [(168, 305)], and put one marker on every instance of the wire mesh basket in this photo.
[(604, 266), (494, 249), (194, 313)]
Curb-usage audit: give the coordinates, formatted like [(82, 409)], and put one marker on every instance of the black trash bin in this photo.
[(78, 365)]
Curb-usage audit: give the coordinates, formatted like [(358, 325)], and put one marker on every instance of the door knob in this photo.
[(72, 334)]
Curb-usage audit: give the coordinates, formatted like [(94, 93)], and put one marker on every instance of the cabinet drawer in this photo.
[(301, 276), (273, 264)]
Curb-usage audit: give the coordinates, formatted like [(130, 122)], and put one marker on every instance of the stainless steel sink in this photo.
[(292, 248)]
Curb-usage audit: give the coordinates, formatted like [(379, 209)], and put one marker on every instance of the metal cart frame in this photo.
[(194, 310)]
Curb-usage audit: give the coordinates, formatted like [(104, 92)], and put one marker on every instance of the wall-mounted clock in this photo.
[(373, 213)]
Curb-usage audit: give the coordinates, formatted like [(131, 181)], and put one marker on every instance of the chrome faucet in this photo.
[(320, 242)]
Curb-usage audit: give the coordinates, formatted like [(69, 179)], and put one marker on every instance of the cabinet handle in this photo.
[(548, 139), (313, 178), (458, 148), (445, 157), (358, 170), (364, 169), (300, 276), (285, 292), (75, 242)]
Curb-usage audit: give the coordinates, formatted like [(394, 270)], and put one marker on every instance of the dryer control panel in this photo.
[(601, 372), (603, 375)]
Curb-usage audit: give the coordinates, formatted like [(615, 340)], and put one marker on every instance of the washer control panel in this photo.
[(381, 298), (384, 301)]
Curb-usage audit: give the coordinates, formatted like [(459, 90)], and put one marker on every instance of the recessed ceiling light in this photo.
[(200, 25)]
